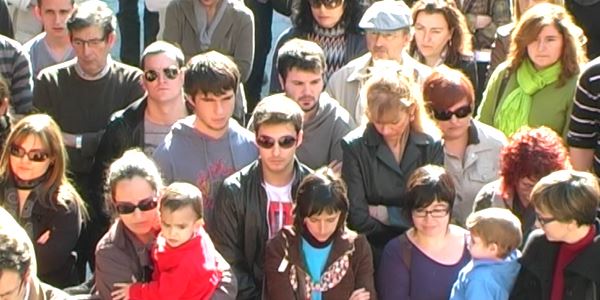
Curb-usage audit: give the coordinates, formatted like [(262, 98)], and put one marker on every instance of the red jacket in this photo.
[(189, 271)]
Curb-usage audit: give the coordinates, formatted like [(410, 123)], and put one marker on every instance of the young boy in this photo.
[(184, 256), (495, 236)]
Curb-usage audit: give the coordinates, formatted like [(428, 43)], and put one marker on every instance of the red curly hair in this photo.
[(531, 153)]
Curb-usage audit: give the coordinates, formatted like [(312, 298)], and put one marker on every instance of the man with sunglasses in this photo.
[(300, 65), (254, 203), (388, 32), (206, 147), (81, 95)]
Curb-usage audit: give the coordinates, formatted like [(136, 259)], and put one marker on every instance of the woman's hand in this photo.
[(121, 291), (360, 294)]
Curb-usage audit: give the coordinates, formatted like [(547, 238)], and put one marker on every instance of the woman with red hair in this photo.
[(530, 155)]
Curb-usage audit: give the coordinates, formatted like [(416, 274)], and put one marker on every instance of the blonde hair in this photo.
[(496, 226)]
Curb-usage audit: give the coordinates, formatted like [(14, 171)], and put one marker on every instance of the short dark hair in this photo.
[(92, 13), (304, 21), (211, 72), (181, 194), (426, 185), (15, 254), (160, 47), (277, 109), (39, 2), (301, 54), (568, 195), (321, 192)]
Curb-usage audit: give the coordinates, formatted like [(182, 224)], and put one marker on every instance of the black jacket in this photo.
[(240, 231), (374, 178), (581, 276)]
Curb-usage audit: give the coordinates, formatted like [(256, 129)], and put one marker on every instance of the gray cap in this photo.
[(386, 15)]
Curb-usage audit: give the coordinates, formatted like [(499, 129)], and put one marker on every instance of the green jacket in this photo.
[(551, 106)]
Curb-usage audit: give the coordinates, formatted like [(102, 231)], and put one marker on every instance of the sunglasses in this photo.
[(268, 142), (447, 115), (170, 72), (32, 155), (328, 4), (147, 204)]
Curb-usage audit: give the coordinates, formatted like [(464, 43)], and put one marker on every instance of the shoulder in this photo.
[(126, 70), (34, 42), (8, 44), (341, 115), (107, 244), (62, 70), (355, 138), (240, 9), (505, 30), (68, 196), (240, 179), (489, 135), (241, 133)]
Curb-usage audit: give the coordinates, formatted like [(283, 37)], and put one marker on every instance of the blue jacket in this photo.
[(486, 279)]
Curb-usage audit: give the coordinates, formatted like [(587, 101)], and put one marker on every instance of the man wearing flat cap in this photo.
[(387, 25)]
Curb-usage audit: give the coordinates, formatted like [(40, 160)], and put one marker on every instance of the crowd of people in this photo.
[(426, 149)]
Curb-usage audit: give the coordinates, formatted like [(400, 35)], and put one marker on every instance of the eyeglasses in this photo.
[(32, 155), (447, 115), (543, 221), (91, 42), (147, 204), (327, 3), (170, 72), (435, 213), (268, 142)]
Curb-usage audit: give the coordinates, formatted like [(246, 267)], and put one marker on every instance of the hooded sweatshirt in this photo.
[(487, 279), (323, 133), (188, 155)]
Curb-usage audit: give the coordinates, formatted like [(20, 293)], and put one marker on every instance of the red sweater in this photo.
[(189, 271), (566, 254)]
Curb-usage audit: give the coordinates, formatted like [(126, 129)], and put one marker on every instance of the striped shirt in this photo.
[(584, 128), (15, 68)]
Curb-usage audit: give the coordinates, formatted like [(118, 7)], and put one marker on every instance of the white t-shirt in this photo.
[(279, 206)]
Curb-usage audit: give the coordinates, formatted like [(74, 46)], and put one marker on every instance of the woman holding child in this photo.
[(318, 257)]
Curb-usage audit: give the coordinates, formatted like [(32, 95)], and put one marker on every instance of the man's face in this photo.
[(387, 45), (91, 48), (54, 15), (304, 87), (12, 286), (163, 79), (277, 144), (213, 112)]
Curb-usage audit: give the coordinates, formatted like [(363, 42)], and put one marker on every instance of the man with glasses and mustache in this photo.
[(255, 202), (80, 95), (300, 66), (206, 147), (388, 31)]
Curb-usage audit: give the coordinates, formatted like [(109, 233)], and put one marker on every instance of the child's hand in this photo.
[(121, 291)]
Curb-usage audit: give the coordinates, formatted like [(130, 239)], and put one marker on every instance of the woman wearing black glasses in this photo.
[(471, 149), (35, 190), (379, 157), (333, 25)]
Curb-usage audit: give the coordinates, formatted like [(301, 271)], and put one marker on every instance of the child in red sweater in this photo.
[(184, 256)]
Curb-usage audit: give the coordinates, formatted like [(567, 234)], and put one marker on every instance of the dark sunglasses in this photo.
[(32, 155), (147, 204), (170, 72), (447, 115), (328, 4), (268, 142)]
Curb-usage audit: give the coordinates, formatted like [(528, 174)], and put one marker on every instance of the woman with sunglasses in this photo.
[(529, 155), (471, 149), (36, 192), (442, 37), (423, 263), (333, 25), (323, 258), (133, 185), (379, 157), (537, 83)]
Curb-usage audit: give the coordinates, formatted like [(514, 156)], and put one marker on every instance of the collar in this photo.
[(342, 242), (101, 74), (473, 135)]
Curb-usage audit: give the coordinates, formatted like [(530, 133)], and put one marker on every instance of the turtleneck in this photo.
[(28, 185), (311, 240)]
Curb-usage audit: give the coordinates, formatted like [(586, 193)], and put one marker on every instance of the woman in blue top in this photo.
[(318, 257)]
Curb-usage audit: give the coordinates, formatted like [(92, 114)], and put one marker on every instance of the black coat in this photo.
[(581, 276), (239, 226)]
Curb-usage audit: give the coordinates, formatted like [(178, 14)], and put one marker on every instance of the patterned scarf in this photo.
[(333, 42), (514, 110)]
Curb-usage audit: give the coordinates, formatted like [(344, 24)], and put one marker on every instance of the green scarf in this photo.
[(514, 111)]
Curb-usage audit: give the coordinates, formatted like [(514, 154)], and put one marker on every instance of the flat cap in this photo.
[(386, 15)]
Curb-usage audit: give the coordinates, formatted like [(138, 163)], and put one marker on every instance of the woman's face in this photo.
[(323, 225), (524, 187), (456, 127), (555, 231), (327, 16), (392, 128), (432, 34), (432, 220), (29, 148), (133, 191), (547, 48)]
